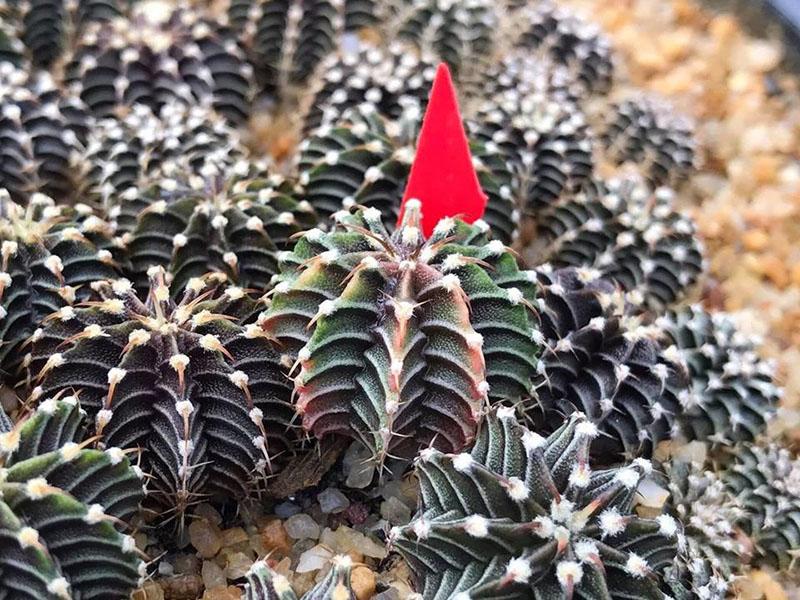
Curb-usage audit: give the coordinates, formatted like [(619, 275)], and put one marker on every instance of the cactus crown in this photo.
[(192, 382), (731, 395), (59, 502), (524, 516), (265, 584), (393, 333)]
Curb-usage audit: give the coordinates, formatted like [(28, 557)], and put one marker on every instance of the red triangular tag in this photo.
[(442, 176)]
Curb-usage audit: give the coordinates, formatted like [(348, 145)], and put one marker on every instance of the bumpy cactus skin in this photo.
[(265, 584), (732, 395), (647, 133), (48, 257), (765, 480), (602, 363), (189, 382), (525, 517), (58, 505), (400, 340), (365, 159), (629, 234)]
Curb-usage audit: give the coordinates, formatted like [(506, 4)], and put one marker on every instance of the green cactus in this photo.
[(765, 480), (603, 363), (59, 504), (153, 57), (194, 382), (48, 257), (732, 395), (630, 235), (365, 159), (265, 584), (400, 340), (524, 517), (647, 133)]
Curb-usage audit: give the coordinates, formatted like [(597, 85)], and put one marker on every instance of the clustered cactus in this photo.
[(219, 315)]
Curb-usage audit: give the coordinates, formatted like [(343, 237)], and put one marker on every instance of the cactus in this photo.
[(265, 584), (648, 133), (194, 383), (392, 79), (630, 235), (47, 28), (364, 159), (542, 136), (48, 257), (732, 396), (226, 223), (59, 504), (711, 553), (157, 56), (765, 480), (127, 154), (461, 34), (523, 516), (603, 363), (400, 340), (288, 39), (549, 31), (42, 132)]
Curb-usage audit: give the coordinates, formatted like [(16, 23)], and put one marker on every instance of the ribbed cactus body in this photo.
[(550, 31), (155, 57), (648, 133), (400, 340), (265, 584), (288, 39), (602, 363), (765, 480), (712, 551), (215, 224), (12, 49), (43, 132), (731, 395), (48, 257), (522, 516), (630, 235), (128, 154), (393, 79), (59, 503), (365, 159), (193, 382)]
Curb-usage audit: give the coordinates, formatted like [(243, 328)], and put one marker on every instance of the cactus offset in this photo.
[(265, 584), (192, 382), (156, 56), (59, 503), (48, 257), (602, 363), (364, 160), (630, 235), (647, 133), (523, 517), (765, 480), (400, 340), (732, 395)]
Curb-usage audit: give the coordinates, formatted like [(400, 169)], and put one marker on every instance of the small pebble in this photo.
[(362, 580), (186, 564), (205, 537), (284, 510), (275, 539), (213, 575), (332, 500), (395, 511), (301, 527), (238, 565), (223, 593), (234, 536), (314, 559)]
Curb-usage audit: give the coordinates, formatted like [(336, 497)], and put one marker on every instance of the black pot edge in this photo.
[(788, 12)]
